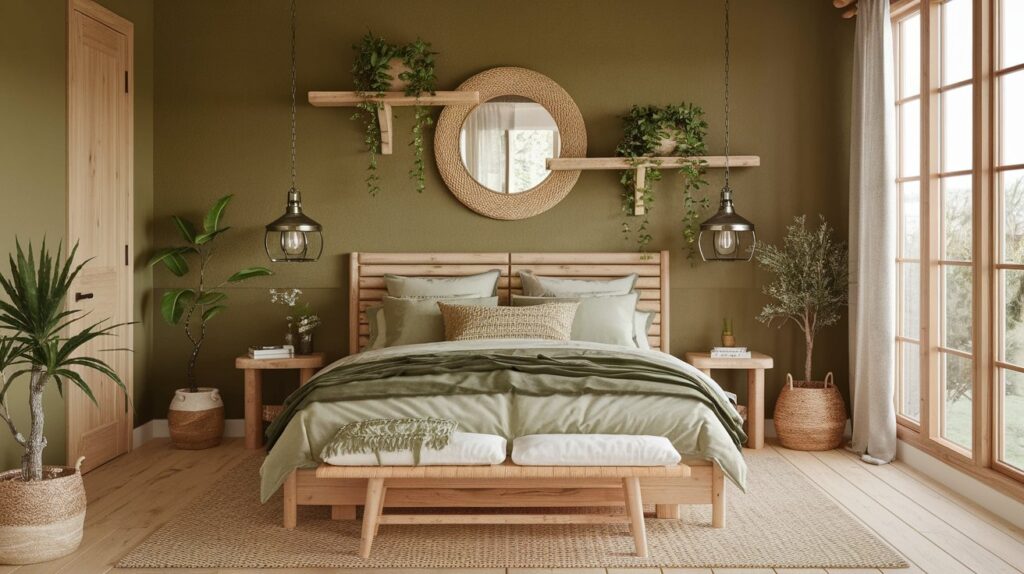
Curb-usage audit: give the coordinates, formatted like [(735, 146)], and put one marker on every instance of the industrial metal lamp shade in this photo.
[(726, 236), (294, 237)]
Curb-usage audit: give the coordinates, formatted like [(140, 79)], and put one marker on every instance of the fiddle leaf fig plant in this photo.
[(193, 308), (33, 346), (647, 132), (377, 65)]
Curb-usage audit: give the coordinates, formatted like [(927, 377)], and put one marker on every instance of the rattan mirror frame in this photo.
[(510, 81)]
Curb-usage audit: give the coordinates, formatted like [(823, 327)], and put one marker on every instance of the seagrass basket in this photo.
[(810, 415), (41, 520)]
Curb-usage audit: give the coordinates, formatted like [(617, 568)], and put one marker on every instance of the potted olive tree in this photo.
[(810, 289), (196, 415), (42, 508)]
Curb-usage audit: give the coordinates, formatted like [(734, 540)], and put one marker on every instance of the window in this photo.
[(1009, 170), (960, 259), (907, 44)]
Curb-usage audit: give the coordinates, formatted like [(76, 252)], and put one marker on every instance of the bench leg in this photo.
[(717, 496), (383, 496), (291, 502), (371, 514), (635, 510), (667, 511), (343, 512)]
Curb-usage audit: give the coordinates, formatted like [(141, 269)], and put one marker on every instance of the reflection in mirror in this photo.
[(505, 143)]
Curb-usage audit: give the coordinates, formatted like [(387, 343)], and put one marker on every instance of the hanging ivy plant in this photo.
[(374, 71), (672, 130)]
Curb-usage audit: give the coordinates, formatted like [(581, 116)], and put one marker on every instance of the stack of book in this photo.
[(730, 353), (272, 352)]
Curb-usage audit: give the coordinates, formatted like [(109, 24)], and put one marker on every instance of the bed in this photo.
[(633, 400)]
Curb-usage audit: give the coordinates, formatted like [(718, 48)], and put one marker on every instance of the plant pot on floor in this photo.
[(41, 520), (196, 420), (810, 415)]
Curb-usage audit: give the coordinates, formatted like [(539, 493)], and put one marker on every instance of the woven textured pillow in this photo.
[(550, 321)]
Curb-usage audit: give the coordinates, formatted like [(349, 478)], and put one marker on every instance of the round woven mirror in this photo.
[(493, 155)]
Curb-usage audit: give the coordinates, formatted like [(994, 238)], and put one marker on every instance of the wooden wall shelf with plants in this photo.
[(389, 100), (641, 167)]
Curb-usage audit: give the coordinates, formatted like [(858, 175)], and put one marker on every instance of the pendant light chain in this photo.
[(293, 95), (726, 94)]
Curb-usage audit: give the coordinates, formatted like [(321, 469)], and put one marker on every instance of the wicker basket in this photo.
[(41, 520), (810, 415)]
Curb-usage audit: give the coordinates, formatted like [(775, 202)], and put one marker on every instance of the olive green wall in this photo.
[(222, 127), (33, 164)]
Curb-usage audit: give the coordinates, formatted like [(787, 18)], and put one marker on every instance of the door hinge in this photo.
[(126, 255), (126, 81)]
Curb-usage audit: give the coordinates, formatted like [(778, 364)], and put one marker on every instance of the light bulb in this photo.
[(725, 242), (293, 243)]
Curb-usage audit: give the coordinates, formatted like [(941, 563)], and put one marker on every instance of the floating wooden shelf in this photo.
[(621, 163), (389, 100)]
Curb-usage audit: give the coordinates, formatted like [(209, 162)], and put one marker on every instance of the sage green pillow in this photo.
[(539, 286), (599, 319), (378, 327), (411, 321), (480, 285)]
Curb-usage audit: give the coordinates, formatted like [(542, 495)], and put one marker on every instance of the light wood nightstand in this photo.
[(307, 365), (754, 366)]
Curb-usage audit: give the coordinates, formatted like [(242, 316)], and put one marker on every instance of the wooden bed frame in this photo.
[(315, 487)]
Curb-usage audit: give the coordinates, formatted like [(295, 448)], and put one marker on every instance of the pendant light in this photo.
[(726, 236), (294, 237)]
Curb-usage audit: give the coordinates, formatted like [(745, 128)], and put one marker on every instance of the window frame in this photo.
[(982, 460)]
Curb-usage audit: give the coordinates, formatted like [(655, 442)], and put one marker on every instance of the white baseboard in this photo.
[(157, 428), (962, 483)]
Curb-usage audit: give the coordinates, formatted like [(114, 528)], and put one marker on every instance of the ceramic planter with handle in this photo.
[(196, 420), (41, 520)]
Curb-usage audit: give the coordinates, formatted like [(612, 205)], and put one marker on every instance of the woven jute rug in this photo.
[(784, 521)]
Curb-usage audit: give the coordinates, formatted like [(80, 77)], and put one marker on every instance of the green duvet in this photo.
[(511, 388)]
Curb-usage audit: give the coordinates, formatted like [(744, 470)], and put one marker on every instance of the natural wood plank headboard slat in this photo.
[(367, 287)]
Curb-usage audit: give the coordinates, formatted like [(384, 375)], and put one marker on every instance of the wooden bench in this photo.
[(625, 480)]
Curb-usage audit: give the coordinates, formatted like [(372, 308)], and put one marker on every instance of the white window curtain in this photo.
[(873, 236), (485, 146)]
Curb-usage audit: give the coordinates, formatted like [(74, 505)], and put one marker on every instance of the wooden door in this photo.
[(100, 220)]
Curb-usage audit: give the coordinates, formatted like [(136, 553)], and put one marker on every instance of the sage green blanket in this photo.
[(511, 388)]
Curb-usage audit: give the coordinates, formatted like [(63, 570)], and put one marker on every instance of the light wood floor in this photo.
[(937, 530)]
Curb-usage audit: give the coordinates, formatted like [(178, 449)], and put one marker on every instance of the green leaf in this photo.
[(249, 273), (188, 231), (212, 220), (177, 264), (205, 237), (211, 297), (213, 312), (172, 306)]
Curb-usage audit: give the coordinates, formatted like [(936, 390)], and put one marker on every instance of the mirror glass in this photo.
[(505, 143)]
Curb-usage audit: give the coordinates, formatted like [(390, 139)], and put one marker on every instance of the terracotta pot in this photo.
[(41, 520), (396, 66), (810, 415), (196, 420)]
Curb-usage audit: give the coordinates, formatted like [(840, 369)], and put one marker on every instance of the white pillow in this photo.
[(540, 286), (642, 321), (464, 449), (593, 450)]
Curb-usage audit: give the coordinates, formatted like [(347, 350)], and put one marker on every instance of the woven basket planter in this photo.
[(196, 420), (810, 415), (41, 520)]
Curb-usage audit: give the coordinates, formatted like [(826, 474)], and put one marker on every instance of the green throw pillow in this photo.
[(600, 319), (411, 321)]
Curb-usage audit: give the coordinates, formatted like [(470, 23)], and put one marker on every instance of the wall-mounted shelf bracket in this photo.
[(388, 100), (621, 163)]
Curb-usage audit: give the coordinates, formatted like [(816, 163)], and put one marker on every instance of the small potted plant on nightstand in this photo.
[(196, 416), (810, 289), (42, 508)]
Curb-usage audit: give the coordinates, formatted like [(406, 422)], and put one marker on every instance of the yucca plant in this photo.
[(33, 320), (194, 308)]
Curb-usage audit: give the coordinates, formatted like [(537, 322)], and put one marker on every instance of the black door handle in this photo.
[(80, 296)]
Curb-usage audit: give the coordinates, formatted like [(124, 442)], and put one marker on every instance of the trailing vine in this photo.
[(373, 74), (644, 129)]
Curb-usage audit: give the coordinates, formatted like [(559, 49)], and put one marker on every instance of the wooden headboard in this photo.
[(367, 270)]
